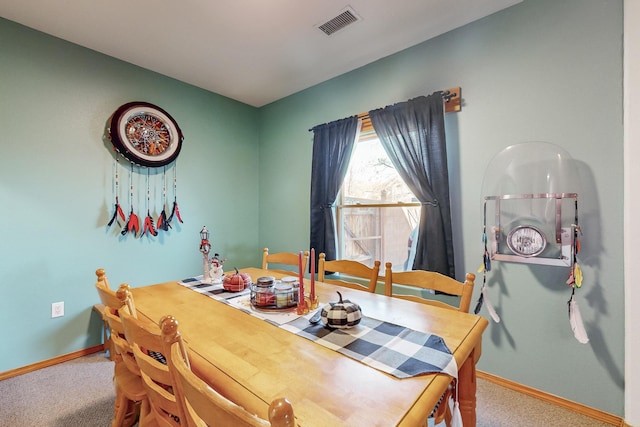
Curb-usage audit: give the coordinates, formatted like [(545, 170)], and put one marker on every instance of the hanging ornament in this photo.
[(163, 223), (575, 281), (133, 223), (174, 210), (147, 136), (484, 267), (117, 210), (575, 320), (148, 221)]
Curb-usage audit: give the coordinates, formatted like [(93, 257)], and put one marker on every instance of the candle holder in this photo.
[(303, 305), (313, 303), (205, 247)]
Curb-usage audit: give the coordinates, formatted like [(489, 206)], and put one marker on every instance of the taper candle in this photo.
[(312, 293), (301, 279)]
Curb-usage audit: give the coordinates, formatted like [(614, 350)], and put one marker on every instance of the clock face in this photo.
[(145, 134), (526, 241)]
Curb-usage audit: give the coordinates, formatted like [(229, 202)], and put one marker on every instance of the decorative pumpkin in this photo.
[(341, 314), (236, 282)]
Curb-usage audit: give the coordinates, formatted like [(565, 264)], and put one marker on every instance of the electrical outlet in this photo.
[(57, 309)]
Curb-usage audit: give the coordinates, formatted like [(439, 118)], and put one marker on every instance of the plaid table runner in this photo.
[(214, 290), (394, 349), (239, 300)]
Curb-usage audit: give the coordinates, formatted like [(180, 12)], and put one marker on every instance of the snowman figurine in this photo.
[(216, 271)]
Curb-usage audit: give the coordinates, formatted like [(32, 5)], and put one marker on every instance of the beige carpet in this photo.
[(77, 393), (500, 407), (80, 393)]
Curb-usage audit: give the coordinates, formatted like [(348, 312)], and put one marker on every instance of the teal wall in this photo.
[(539, 71), (56, 188)]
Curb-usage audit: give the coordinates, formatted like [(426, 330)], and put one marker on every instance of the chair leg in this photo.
[(146, 415), (106, 338), (125, 412), (120, 408)]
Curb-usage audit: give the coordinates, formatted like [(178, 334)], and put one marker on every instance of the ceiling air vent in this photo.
[(346, 17)]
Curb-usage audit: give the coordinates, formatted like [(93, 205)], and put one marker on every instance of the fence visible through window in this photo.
[(372, 232)]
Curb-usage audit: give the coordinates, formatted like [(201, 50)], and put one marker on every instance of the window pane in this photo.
[(368, 233), (384, 234), (371, 178)]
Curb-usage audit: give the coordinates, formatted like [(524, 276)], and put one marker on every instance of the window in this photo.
[(377, 214)]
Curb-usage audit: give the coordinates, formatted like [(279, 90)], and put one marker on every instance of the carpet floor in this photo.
[(79, 393)]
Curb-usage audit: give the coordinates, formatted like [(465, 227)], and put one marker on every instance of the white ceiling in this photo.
[(253, 51)]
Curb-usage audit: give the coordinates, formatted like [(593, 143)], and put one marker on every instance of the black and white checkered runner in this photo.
[(394, 349)]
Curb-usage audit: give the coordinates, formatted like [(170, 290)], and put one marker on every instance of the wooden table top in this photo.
[(254, 362)]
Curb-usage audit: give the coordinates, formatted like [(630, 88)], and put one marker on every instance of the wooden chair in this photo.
[(285, 258), (146, 342), (347, 270), (204, 406), (103, 282), (131, 401), (420, 280)]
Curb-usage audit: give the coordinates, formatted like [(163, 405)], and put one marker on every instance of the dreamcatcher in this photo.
[(148, 137)]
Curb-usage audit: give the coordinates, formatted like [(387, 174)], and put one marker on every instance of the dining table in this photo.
[(253, 361)]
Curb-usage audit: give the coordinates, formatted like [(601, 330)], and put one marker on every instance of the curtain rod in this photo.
[(451, 98)]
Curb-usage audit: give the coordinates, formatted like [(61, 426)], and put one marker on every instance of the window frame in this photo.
[(366, 133)]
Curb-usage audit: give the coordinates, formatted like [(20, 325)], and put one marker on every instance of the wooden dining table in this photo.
[(253, 362)]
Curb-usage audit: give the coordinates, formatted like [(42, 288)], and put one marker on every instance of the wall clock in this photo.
[(145, 134)]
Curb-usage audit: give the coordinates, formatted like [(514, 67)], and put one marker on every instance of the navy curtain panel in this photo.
[(413, 136), (332, 147)]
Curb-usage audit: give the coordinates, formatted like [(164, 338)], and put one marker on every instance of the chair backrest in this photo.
[(120, 346), (284, 258), (113, 305), (205, 406), (347, 270), (146, 341), (102, 277), (107, 295), (429, 280)]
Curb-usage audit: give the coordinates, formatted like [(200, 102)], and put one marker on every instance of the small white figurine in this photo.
[(216, 271)]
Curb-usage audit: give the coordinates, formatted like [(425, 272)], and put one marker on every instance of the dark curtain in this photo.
[(412, 133), (332, 146)]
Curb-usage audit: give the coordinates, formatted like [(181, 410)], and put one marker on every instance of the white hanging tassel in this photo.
[(575, 320), (456, 415), (490, 309)]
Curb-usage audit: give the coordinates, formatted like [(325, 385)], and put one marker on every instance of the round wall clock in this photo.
[(145, 134)]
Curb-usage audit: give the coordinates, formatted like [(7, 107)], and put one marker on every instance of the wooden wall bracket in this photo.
[(452, 99)]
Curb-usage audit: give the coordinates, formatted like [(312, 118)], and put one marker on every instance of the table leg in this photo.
[(467, 391)]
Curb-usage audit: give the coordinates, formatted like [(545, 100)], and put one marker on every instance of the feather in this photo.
[(575, 320), (479, 304), (577, 274), (490, 308)]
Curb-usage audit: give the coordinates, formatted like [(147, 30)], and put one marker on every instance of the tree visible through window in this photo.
[(377, 215)]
